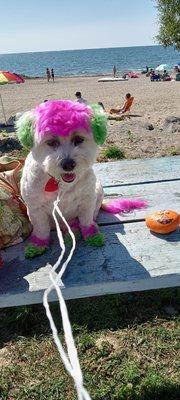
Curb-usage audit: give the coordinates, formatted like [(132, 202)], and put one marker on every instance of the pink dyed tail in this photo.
[(123, 205)]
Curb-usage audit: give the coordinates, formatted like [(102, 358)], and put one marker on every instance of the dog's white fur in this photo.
[(81, 198)]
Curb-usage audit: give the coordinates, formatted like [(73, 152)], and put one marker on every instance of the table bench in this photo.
[(132, 258)]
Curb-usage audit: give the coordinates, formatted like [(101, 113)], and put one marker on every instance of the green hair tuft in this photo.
[(33, 251), (99, 124), (25, 129), (96, 240)]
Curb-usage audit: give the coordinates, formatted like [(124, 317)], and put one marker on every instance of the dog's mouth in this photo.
[(68, 178)]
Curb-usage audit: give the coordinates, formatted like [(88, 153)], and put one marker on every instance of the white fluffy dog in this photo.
[(63, 137)]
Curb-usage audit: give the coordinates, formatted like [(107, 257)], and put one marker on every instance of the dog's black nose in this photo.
[(68, 164)]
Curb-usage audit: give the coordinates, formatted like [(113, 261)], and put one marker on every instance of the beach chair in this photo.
[(128, 104), (115, 112)]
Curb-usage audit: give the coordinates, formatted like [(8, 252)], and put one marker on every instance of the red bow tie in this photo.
[(51, 185)]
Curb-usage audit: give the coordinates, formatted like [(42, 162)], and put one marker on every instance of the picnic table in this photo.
[(132, 259)]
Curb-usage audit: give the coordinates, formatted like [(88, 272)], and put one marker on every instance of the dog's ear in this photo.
[(25, 127), (99, 124)]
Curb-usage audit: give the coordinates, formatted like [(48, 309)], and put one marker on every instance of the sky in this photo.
[(41, 25)]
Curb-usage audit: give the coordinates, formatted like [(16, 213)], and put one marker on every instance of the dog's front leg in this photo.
[(89, 229), (39, 240)]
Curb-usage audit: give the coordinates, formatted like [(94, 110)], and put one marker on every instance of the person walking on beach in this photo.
[(80, 98), (48, 74), (114, 71), (52, 74)]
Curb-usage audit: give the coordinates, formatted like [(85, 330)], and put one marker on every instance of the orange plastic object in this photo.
[(164, 221)]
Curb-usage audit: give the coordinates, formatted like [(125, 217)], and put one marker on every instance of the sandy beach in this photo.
[(154, 102)]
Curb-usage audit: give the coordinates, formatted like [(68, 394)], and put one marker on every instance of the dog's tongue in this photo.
[(68, 177)]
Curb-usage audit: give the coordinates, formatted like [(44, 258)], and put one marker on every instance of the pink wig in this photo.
[(62, 117)]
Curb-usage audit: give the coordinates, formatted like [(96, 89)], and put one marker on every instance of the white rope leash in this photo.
[(70, 360)]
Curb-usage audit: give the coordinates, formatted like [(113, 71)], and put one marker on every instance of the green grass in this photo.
[(130, 135), (114, 152), (127, 344), (174, 151)]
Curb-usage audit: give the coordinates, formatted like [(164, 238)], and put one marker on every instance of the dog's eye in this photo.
[(53, 143), (78, 140)]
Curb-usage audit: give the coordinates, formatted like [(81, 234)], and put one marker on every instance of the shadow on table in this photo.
[(89, 265), (173, 237)]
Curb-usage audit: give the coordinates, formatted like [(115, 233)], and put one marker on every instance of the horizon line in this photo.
[(90, 48)]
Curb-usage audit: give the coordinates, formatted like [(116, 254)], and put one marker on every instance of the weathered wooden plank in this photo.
[(131, 259), (133, 171), (160, 196)]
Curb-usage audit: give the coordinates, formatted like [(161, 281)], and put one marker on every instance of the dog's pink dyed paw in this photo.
[(89, 230), (74, 224), (96, 240), (31, 250), (92, 236)]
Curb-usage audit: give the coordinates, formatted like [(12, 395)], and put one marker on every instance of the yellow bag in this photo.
[(14, 222)]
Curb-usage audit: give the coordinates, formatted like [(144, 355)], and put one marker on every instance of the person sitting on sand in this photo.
[(125, 75), (126, 106), (80, 98), (149, 72), (166, 76), (154, 76)]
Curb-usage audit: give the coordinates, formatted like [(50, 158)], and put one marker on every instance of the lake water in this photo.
[(88, 62)]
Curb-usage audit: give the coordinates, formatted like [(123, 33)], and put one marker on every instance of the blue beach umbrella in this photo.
[(163, 67)]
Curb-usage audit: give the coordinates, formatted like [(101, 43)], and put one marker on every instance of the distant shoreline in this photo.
[(66, 76), (83, 75), (88, 63)]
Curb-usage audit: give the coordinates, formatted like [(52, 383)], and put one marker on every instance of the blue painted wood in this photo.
[(132, 258), (159, 196), (133, 171)]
